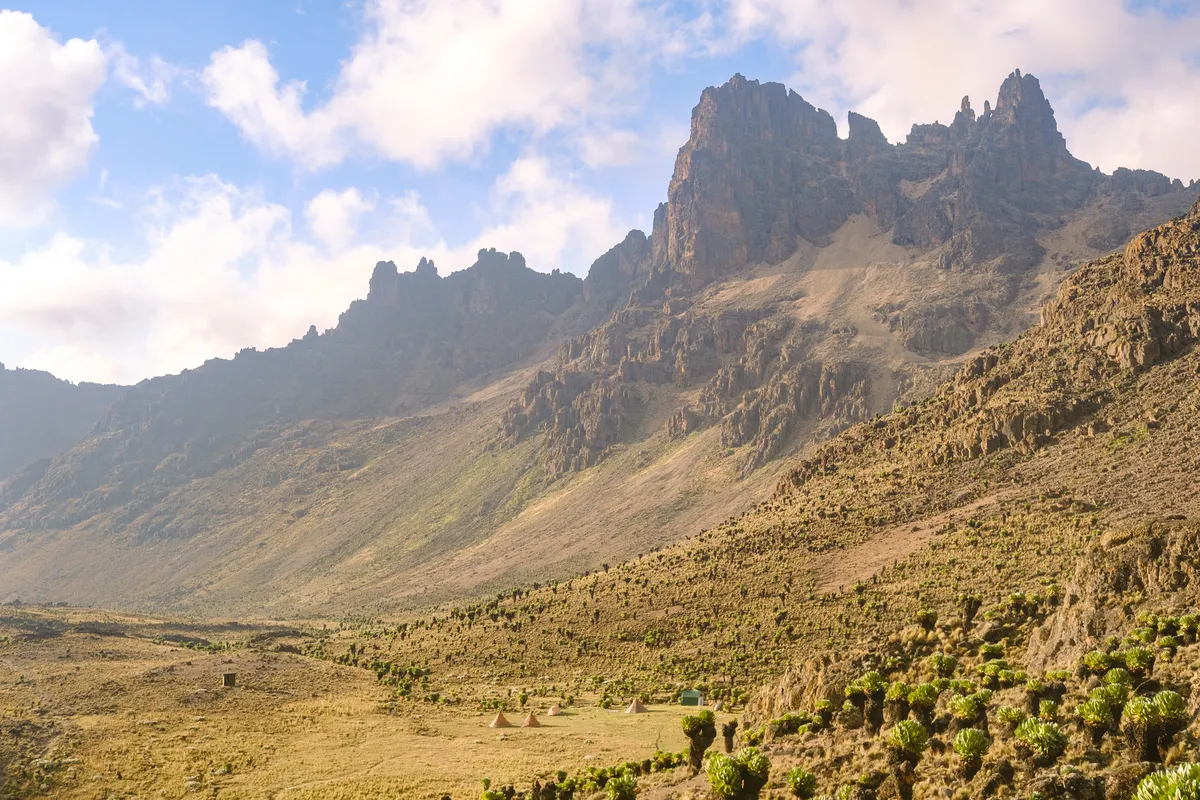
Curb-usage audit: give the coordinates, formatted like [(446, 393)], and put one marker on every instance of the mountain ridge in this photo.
[(499, 425), (41, 415)]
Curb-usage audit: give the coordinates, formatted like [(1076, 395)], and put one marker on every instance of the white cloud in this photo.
[(431, 80), (223, 269), (333, 216), (549, 218), (615, 148), (46, 103), (150, 80), (1122, 81)]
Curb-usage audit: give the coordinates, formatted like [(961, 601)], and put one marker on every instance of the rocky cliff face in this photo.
[(764, 170), (1116, 318), (759, 172), (764, 175)]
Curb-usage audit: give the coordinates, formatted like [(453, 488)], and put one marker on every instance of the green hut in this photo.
[(691, 697)]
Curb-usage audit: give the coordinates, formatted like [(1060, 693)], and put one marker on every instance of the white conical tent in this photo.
[(636, 707), (500, 721), (531, 722), (554, 711)]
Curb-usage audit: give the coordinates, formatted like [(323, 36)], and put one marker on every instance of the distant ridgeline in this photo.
[(794, 284)]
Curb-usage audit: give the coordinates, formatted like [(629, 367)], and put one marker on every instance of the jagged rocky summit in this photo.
[(793, 284)]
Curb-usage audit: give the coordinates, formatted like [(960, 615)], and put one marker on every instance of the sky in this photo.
[(181, 180)]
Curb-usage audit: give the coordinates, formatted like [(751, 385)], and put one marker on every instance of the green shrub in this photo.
[(724, 776), (923, 698), (1010, 717), (1097, 662), (1118, 676), (1142, 723), (789, 724), (897, 692), (756, 768), (927, 619), (991, 652), (943, 664), (1172, 711), (1045, 739), (1178, 783), (970, 707), (701, 730), (1139, 660), (971, 744), (872, 682), (740, 776), (1145, 635), (1142, 712), (1048, 711), (1095, 713), (907, 740), (802, 783), (621, 787), (1114, 694)]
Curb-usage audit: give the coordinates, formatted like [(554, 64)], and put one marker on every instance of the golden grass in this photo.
[(123, 715)]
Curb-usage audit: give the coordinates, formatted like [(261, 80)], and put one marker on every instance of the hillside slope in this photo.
[(1079, 435), (1021, 544), (41, 416), (497, 425)]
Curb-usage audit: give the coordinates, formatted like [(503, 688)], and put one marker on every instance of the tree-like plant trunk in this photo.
[(873, 716), (728, 730), (698, 745), (895, 711)]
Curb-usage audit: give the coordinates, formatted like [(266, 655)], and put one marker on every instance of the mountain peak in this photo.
[(767, 111), (1023, 115), (744, 133)]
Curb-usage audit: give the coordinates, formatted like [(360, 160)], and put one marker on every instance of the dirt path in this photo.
[(860, 562)]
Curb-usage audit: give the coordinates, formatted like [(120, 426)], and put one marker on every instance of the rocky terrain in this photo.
[(459, 433), (988, 592), (999, 551)]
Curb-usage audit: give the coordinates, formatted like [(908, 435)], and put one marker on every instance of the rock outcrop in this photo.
[(1154, 563), (764, 170), (759, 173)]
